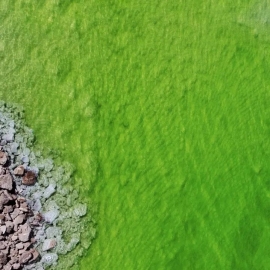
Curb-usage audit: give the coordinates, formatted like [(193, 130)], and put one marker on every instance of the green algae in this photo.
[(163, 109)]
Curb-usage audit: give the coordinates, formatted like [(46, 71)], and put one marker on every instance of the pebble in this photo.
[(48, 244), (3, 158), (6, 181), (29, 178), (19, 170)]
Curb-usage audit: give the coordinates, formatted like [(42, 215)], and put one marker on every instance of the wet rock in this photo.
[(29, 178)]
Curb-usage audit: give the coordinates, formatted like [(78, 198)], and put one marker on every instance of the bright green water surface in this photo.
[(163, 107)]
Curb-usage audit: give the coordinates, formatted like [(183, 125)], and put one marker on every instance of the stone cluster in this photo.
[(17, 220), (38, 200)]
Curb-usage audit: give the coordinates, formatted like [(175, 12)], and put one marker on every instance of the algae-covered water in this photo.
[(163, 108)]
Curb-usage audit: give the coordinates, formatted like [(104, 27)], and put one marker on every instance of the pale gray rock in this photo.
[(49, 258), (51, 215), (49, 191), (48, 244)]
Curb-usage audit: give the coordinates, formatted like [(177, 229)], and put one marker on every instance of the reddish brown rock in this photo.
[(19, 170), (2, 170), (2, 245), (7, 267), (15, 213), (3, 158), (3, 258), (35, 254), (8, 209), (6, 181), (3, 229), (16, 220), (29, 178), (3, 200), (24, 232), (9, 226), (16, 266), (25, 257)]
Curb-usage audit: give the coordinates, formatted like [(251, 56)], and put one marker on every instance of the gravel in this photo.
[(46, 188)]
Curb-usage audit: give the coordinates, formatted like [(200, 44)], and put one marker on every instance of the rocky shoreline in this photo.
[(41, 216)]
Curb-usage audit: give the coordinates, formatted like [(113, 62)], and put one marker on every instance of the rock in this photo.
[(3, 142), (2, 245), (6, 181), (3, 158), (3, 200), (16, 266), (48, 244), (51, 215), (15, 213), (14, 237), (49, 191), (24, 232), (29, 178), (80, 210), (19, 245), (2, 170), (37, 205), (25, 159), (35, 255), (3, 229), (19, 170), (49, 258), (3, 258), (9, 137), (7, 267), (14, 147), (25, 257), (18, 220), (9, 226)]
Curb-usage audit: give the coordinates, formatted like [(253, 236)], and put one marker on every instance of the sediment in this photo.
[(41, 214)]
